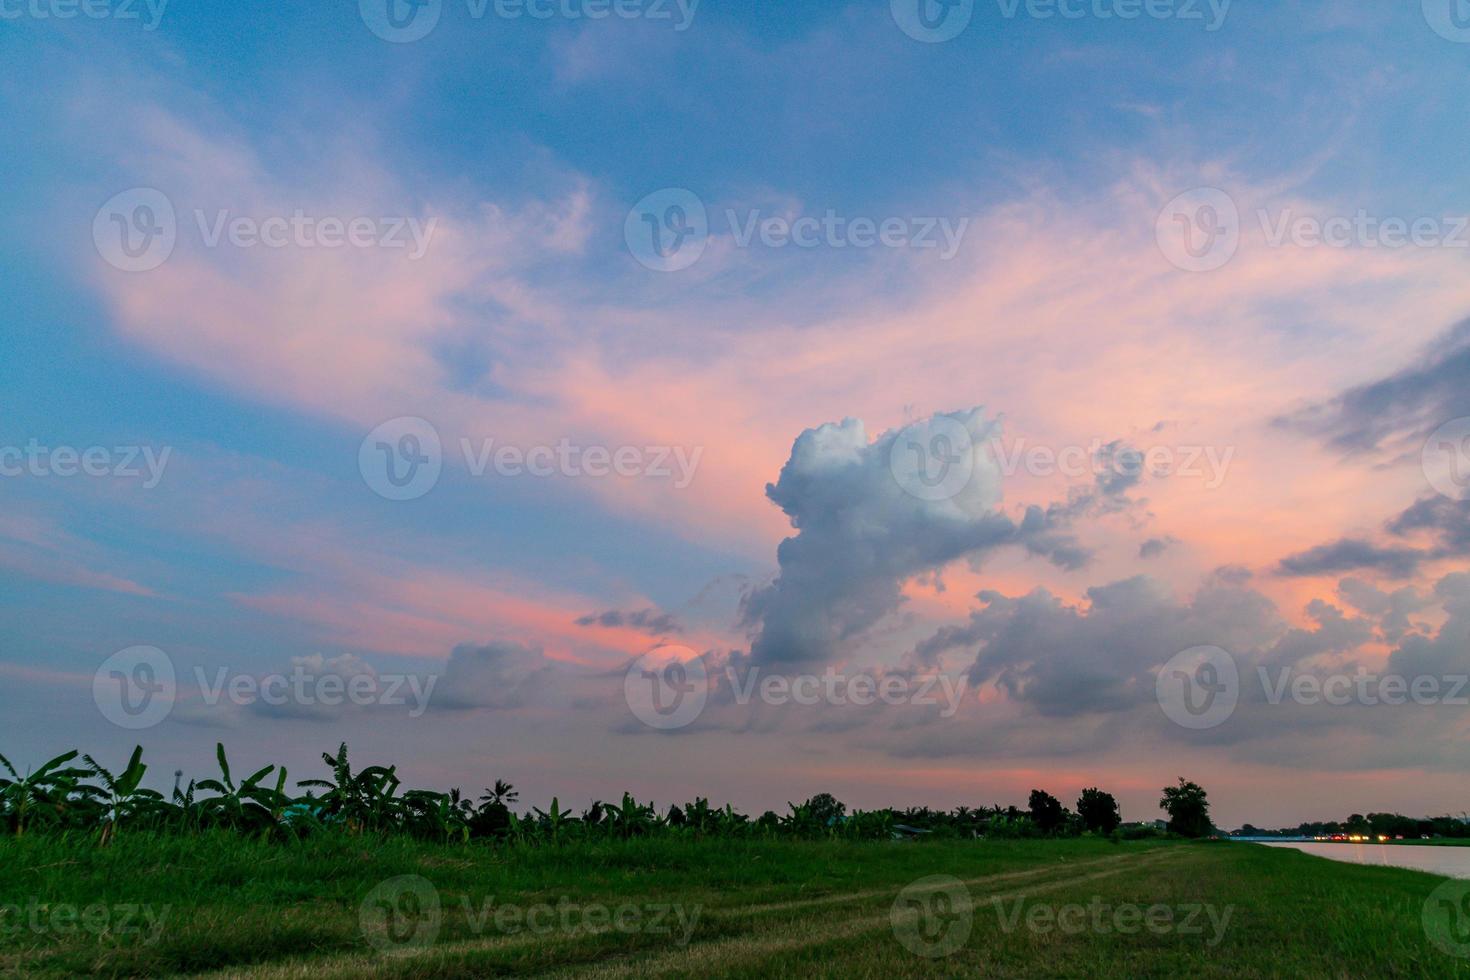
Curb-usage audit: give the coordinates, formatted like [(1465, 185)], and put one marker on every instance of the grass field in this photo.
[(339, 906)]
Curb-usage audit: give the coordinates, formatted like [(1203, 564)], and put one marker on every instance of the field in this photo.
[(337, 905)]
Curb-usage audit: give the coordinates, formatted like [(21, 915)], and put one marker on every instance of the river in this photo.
[(1452, 862)]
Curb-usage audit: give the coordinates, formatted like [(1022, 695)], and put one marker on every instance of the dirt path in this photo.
[(784, 937), (750, 950)]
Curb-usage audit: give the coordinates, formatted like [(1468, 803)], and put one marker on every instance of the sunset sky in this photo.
[(992, 250)]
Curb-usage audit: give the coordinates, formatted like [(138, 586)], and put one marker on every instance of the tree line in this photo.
[(72, 795), (1390, 825)]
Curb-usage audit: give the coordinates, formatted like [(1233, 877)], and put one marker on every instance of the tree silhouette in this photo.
[(1188, 809), (1046, 811), (1098, 810)]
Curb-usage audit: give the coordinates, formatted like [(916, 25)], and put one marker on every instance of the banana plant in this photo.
[(730, 823), (443, 815), (248, 805), (376, 788), (62, 796), (44, 791), (698, 816), (555, 823), (800, 820), (337, 801), (122, 795), (181, 805), (364, 801), (631, 818), (271, 802)]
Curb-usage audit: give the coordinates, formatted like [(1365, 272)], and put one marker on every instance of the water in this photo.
[(1452, 862)]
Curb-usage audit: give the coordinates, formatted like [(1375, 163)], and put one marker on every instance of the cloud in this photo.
[(1042, 532), (866, 523), (497, 675), (1119, 468), (1392, 608), (314, 669), (872, 515), (650, 621), (1232, 574), (1447, 521), (1446, 653), (360, 338), (1154, 547), (1100, 658), (1398, 408), (314, 687), (37, 548), (1351, 554), (1066, 660), (1094, 664), (198, 714)]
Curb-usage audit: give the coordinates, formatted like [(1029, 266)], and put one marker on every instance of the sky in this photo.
[(918, 403)]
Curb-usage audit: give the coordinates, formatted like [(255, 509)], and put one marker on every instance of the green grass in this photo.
[(749, 908)]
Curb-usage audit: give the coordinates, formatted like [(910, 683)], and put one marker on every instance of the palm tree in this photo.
[(501, 794), (493, 818)]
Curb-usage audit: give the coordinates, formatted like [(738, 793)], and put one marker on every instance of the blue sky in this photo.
[(1057, 141)]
